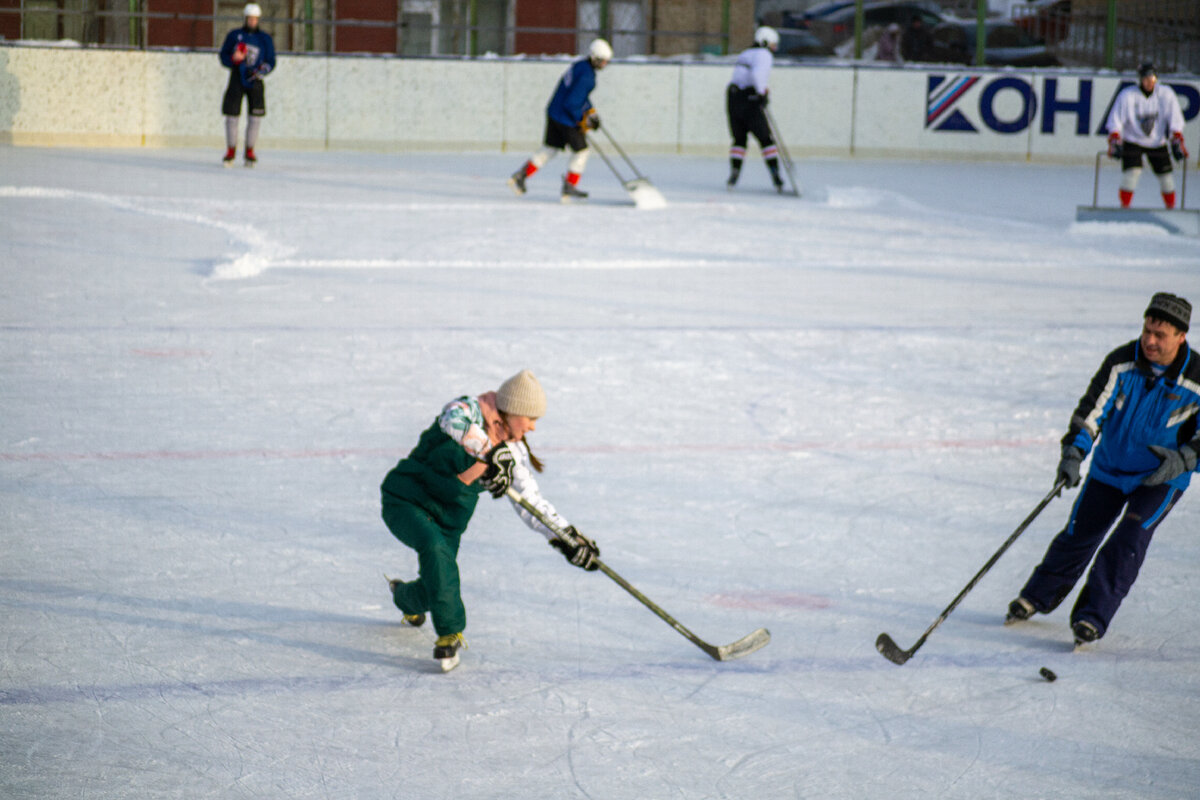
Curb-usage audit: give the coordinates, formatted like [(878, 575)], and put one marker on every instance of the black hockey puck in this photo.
[(1047, 674)]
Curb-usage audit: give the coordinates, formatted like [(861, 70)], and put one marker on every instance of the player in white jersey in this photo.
[(1146, 119), (746, 102)]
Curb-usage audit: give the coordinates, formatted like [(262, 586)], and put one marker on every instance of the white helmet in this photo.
[(600, 50), (252, 10), (766, 37)]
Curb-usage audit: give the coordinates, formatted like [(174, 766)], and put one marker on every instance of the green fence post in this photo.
[(858, 28), (980, 32), (1110, 35), (308, 26), (725, 27)]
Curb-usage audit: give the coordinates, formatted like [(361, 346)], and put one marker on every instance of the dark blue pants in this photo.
[(1117, 563)]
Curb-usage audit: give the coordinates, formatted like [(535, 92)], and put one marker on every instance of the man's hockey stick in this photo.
[(742, 647), (892, 652), (783, 151)]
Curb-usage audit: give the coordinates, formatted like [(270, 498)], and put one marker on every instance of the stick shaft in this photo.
[(624, 584), (783, 151), (1058, 487)]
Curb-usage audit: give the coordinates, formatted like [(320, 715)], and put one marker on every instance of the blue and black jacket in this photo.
[(260, 54), (570, 101), (1128, 408)]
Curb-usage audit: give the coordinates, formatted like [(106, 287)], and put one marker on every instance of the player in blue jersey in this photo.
[(249, 54), (569, 116), (1142, 407)]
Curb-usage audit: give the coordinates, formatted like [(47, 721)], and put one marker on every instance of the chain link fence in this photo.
[(395, 27)]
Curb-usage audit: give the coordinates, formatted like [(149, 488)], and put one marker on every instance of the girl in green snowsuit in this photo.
[(476, 444)]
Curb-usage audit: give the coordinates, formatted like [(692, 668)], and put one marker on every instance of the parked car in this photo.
[(1044, 19), (800, 43), (800, 19), (1005, 44), (838, 26)]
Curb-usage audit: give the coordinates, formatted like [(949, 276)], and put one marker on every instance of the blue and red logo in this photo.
[(966, 103)]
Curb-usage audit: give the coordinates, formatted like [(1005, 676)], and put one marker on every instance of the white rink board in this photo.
[(73, 96)]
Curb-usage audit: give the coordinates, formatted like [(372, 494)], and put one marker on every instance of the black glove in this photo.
[(499, 474), (1115, 148), (1068, 467), (1174, 463), (1178, 150), (594, 121), (577, 548)]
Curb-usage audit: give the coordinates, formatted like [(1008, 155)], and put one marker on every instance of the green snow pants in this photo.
[(436, 588)]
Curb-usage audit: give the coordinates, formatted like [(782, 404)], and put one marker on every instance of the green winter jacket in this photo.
[(428, 479)]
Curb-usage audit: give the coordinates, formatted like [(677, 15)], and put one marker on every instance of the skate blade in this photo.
[(227, 164), (517, 190), (448, 664)]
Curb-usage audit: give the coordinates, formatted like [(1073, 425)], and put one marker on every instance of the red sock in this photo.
[(1126, 198), (529, 168), (573, 178), (1169, 199)]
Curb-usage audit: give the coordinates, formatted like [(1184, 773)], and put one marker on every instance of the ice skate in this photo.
[(230, 154), (251, 159), (415, 620), (778, 181), (571, 193), (1085, 633), (517, 182), (1019, 610), (734, 174), (446, 650)]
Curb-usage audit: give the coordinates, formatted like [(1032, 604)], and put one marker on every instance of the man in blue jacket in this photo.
[(569, 117), (249, 53), (1142, 405)]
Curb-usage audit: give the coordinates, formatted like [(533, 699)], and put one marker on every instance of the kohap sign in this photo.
[(1008, 104)]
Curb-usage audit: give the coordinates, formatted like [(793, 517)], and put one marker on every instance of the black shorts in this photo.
[(559, 136), (746, 115), (231, 106), (1159, 158)]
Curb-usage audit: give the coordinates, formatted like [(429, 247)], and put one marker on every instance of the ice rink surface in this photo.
[(820, 416)]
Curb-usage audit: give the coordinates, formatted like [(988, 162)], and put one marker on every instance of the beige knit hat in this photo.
[(522, 395)]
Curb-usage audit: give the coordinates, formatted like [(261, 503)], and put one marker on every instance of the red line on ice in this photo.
[(666, 448)]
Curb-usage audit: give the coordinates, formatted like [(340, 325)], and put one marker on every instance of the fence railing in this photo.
[(91, 24)]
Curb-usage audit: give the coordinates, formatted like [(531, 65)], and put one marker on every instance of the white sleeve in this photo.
[(460, 420), (526, 486), (1174, 115), (1116, 117), (762, 70)]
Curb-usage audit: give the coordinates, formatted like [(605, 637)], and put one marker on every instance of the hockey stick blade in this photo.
[(891, 651), (742, 647)]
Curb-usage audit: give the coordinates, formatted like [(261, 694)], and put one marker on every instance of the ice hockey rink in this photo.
[(818, 415)]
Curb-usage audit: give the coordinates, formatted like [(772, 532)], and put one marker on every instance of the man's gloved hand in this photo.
[(1115, 148), (1174, 463), (239, 53), (577, 548), (499, 474), (1178, 149), (1068, 466)]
